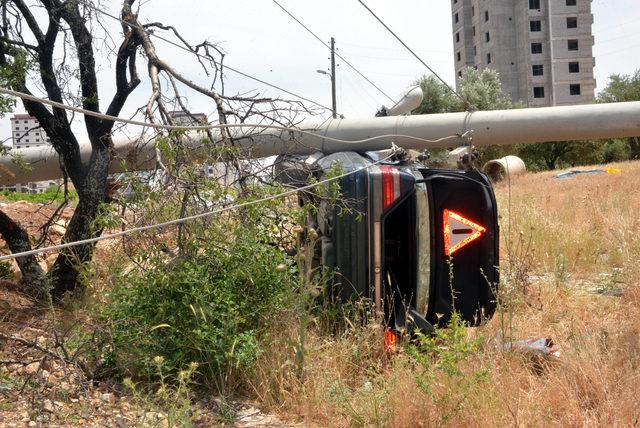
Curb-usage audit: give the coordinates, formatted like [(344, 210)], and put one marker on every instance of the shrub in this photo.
[(53, 193), (208, 308)]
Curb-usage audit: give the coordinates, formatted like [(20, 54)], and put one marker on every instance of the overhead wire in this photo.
[(463, 99), (216, 126), (235, 70), (336, 53)]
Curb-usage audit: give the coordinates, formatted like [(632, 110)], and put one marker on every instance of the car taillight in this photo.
[(390, 185), (458, 231)]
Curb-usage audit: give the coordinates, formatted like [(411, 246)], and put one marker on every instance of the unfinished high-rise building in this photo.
[(542, 49)]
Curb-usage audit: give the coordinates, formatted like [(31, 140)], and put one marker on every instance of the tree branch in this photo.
[(31, 20), (86, 63)]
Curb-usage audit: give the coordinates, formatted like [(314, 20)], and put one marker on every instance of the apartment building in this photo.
[(542, 49), (25, 133)]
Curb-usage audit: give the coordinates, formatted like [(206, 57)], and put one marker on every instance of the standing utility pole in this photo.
[(333, 77)]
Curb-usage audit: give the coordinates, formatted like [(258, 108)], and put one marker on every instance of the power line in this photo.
[(189, 218), (241, 73), (217, 126), (467, 103), (337, 54)]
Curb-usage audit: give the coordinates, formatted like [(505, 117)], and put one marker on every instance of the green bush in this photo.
[(209, 308), (53, 193), (5, 271)]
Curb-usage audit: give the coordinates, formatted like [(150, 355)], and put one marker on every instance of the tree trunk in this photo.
[(66, 273), (33, 278), (634, 146), (551, 162)]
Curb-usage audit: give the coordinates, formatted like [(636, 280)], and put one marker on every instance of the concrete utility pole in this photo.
[(497, 127), (333, 78)]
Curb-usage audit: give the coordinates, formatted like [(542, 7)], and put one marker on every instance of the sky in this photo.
[(261, 40)]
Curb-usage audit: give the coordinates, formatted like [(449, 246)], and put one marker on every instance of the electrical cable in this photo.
[(189, 218), (171, 42), (218, 126), (464, 100), (337, 54)]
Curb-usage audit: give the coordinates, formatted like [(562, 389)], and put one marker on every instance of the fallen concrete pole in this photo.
[(498, 127)]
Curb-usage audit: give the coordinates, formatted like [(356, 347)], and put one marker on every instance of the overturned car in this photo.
[(420, 243)]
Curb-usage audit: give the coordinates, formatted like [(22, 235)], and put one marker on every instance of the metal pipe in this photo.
[(508, 166), (499, 127)]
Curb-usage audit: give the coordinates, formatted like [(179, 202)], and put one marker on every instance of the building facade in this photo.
[(542, 49), (26, 133)]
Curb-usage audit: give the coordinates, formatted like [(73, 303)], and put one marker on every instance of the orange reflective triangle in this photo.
[(459, 231)]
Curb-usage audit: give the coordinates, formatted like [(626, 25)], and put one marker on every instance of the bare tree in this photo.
[(27, 45)]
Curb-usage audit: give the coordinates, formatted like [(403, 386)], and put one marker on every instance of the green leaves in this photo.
[(482, 88), (12, 74), (209, 308), (621, 87)]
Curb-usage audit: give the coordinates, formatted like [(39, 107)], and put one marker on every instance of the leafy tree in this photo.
[(483, 91), (481, 88), (437, 97), (50, 48), (623, 88), (540, 156)]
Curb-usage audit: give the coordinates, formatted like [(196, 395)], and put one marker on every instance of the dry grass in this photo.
[(583, 233)]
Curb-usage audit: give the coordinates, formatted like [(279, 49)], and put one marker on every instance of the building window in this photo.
[(572, 22), (536, 48), (486, 15), (475, 51), (488, 58), (572, 45), (571, 2), (574, 67), (460, 74), (487, 37), (537, 70), (25, 121), (538, 92), (474, 30), (456, 19), (534, 4), (535, 26), (574, 89), (473, 11), (457, 37), (458, 56)]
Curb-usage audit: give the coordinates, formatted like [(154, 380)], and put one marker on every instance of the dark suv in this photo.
[(419, 242)]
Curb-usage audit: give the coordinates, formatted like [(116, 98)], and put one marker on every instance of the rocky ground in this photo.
[(44, 222), (43, 384)]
